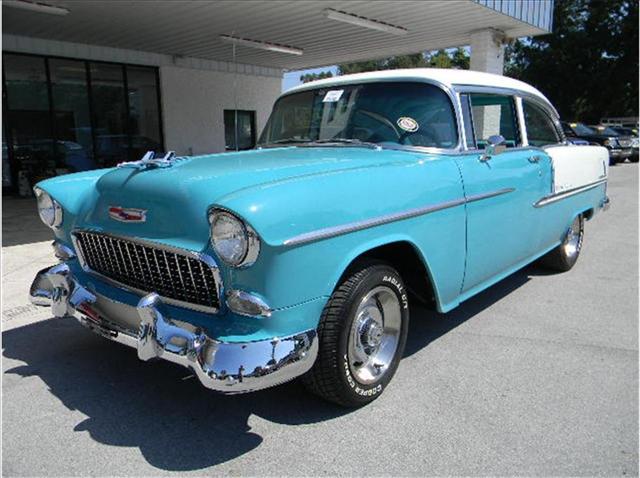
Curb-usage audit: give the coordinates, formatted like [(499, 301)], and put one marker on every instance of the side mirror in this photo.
[(495, 145)]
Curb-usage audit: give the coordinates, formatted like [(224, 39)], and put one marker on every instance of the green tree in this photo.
[(457, 58), (440, 59), (307, 77), (416, 60), (588, 66), (460, 59)]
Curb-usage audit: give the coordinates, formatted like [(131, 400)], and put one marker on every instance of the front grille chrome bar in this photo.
[(181, 277)]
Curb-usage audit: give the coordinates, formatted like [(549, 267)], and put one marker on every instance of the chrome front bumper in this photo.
[(227, 367)]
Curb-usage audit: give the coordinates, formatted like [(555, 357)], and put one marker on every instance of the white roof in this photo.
[(445, 76)]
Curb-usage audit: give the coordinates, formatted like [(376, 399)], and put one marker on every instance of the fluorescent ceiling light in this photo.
[(262, 45), (36, 7), (364, 22)]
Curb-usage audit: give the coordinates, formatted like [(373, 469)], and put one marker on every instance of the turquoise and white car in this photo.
[(305, 256)]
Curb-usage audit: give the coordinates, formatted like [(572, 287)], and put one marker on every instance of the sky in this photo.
[(292, 78)]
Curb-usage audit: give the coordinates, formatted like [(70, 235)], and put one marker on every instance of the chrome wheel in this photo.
[(374, 335), (573, 240)]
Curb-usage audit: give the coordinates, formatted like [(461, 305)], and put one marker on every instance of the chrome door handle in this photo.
[(534, 159)]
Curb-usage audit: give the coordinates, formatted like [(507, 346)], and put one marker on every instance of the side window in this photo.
[(493, 115), (540, 128), (468, 122)]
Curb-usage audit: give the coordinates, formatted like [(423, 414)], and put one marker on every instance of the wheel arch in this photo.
[(406, 258)]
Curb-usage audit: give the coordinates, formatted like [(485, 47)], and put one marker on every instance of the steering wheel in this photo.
[(431, 137)]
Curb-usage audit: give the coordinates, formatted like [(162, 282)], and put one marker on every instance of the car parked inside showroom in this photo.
[(304, 257), (617, 152)]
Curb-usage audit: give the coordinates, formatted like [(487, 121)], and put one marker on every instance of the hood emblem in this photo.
[(126, 214)]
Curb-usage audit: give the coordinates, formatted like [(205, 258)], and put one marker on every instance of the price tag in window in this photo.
[(332, 96)]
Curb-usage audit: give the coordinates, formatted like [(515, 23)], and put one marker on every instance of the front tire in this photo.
[(564, 257), (362, 334)]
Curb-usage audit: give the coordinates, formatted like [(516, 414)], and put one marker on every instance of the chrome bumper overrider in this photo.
[(227, 367)]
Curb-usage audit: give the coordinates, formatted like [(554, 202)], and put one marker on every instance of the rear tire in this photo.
[(564, 257), (362, 335)]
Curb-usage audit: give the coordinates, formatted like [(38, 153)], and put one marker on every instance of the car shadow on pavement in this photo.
[(176, 423)]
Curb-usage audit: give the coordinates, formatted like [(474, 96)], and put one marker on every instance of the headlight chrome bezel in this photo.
[(251, 238), (57, 212)]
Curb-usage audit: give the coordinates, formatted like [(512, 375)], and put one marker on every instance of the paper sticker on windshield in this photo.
[(332, 96), (408, 124)]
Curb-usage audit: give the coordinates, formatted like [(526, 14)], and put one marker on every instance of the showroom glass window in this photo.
[(239, 130), (67, 115)]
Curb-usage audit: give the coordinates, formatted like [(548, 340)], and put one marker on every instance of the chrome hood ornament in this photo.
[(150, 161)]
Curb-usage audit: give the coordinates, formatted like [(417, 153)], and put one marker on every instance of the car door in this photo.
[(502, 224), (543, 139)]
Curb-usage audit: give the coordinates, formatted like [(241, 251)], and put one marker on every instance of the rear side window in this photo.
[(494, 115), (540, 128)]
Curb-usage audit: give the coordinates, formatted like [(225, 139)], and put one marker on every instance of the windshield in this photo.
[(385, 114), (581, 129), (605, 130)]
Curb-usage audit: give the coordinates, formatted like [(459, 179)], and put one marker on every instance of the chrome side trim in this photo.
[(568, 193), (386, 219), (208, 260)]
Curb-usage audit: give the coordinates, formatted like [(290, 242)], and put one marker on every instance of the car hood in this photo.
[(176, 199)]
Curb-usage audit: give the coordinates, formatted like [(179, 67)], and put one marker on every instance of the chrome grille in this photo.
[(625, 143), (180, 277)]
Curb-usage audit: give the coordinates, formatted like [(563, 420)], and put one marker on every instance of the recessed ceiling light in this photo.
[(36, 7), (364, 22), (262, 45)]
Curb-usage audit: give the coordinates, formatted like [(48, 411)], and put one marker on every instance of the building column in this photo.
[(487, 51)]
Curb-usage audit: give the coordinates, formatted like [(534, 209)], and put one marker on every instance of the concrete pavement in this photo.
[(536, 376)]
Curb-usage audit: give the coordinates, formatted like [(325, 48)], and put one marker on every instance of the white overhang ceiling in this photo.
[(194, 28)]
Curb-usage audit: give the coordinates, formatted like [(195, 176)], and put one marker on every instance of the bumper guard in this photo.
[(228, 367)]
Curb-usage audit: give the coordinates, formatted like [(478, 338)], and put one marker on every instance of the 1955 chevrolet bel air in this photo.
[(303, 256)]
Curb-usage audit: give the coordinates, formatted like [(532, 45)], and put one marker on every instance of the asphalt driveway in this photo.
[(536, 376)]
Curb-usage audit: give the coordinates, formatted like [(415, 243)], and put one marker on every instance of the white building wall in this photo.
[(193, 102)]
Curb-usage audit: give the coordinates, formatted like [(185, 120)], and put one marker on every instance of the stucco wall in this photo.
[(193, 102)]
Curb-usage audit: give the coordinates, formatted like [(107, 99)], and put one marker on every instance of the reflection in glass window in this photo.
[(110, 112), (144, 114), (494, 115), (29, 119), (540, 129), (241, 134), (393, 113), (72, 119), (6, 166)]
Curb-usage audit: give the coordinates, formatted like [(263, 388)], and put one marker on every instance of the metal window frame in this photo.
[(235, 127)]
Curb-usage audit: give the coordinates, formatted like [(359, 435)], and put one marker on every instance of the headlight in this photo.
[(613, 142), (234, 241), (48, 208)]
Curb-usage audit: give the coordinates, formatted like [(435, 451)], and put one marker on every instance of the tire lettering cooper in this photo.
[(352, 383), (394, 282)]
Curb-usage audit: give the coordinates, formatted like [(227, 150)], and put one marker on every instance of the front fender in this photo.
[(288, 274)]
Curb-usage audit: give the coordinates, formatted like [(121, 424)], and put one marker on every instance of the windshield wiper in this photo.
[(353, 141), (288, 140)]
